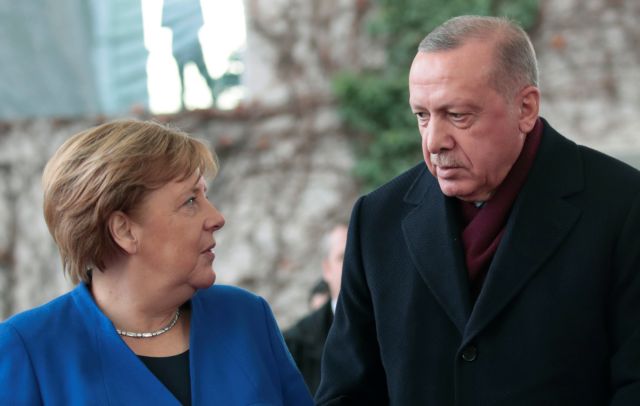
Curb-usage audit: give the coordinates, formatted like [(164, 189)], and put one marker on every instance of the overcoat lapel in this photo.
[(540, 220), (432, 235)]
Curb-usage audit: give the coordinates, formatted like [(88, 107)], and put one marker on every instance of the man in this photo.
[(319, 295), (504, 272), (307, 337), (184, 18)]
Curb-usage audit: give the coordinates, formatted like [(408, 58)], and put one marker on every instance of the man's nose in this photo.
[(437, 137)]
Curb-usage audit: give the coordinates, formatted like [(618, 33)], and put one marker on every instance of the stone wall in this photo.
[(29, 270), (589, 56), (286, 159), (295, 46), (284, 181)]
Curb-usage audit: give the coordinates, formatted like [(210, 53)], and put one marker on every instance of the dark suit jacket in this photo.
[(556, 323), (67, 352), (306, 339)]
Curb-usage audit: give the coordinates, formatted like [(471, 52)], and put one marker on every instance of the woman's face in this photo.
[(174, 228)]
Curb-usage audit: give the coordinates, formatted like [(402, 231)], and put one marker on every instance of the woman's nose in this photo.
[(215, 220)]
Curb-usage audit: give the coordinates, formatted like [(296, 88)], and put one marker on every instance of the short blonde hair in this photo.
[(109, 168)]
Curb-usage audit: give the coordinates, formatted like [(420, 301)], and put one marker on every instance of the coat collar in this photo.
[(217, 360), (539, 221), (127, 380)]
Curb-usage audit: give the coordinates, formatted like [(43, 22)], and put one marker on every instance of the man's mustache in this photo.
[(445, 160)]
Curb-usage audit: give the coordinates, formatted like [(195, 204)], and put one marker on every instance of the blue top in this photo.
[(67, 352)]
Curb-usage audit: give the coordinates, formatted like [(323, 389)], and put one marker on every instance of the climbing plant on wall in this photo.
[(375, 103)]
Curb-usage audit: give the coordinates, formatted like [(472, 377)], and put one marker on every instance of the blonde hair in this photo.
[(111, 168)]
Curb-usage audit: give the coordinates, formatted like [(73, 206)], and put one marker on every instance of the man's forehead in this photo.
[(431, 70)]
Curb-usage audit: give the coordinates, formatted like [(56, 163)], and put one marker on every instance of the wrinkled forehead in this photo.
[(446, 78)]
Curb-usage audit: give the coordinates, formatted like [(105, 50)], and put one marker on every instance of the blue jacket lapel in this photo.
[(210, 356), (214, 357), (126, 378)]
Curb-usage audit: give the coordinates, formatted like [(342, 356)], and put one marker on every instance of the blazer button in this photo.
[(470, 353)]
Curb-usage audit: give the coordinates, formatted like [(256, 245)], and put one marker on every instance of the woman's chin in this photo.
[(205, 280)]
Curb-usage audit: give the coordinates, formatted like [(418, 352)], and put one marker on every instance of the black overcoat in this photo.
[(556, 323), (305, 341)]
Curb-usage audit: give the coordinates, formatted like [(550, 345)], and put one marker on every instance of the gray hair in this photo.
[(516, 65)]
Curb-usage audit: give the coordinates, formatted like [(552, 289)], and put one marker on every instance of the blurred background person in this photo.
[(126, 204), (184, 19), (306, 338), (319, 295)]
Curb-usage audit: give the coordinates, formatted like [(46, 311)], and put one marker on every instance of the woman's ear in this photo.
[(529, 108), (121, 229)]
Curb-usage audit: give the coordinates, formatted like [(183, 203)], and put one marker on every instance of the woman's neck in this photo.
[(135, 306)]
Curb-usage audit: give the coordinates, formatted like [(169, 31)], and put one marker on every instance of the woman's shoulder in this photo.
[(228, 295), (42, 320), (42, 312), (231, 305)]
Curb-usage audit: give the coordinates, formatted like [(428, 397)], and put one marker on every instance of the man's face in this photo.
[(470, 133), (332, 264)]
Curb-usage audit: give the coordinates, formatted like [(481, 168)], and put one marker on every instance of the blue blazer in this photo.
[(67, 352)]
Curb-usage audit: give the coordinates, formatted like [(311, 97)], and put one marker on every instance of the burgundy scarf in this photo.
[(484, 227)]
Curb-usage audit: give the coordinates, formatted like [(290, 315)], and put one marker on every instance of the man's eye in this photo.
[(457, 116), (422, 116)]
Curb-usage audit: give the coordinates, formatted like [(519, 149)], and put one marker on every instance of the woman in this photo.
[(126, 204)]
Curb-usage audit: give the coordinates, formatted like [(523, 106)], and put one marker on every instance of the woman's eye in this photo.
[(190, 201)]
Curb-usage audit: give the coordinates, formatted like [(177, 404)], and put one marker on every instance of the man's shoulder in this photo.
[(409, 186), (599, 162), (560, 138), (598, 170), (404, 181)]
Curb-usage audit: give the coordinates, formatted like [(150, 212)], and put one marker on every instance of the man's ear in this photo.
[(529, 100), (121, 229)]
